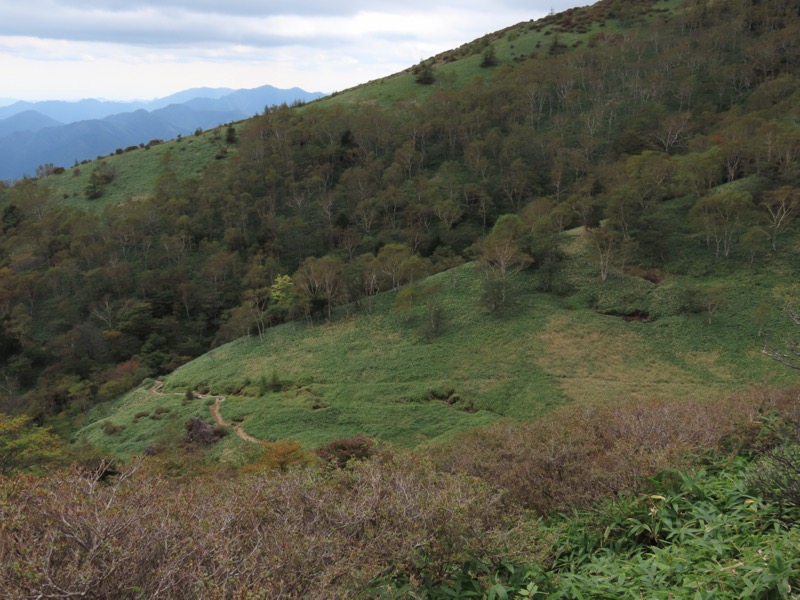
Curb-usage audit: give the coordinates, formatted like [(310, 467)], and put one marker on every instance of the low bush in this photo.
[(293, 534), (339, 453), (110, 428), (549, 466)]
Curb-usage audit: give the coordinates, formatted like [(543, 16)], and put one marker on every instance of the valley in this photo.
[(519, 321)]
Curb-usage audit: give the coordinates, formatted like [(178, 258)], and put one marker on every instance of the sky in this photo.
[(145, 49)]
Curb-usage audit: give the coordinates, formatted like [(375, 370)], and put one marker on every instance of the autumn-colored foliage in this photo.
[(280, 455), (293, 534), (577, 455)]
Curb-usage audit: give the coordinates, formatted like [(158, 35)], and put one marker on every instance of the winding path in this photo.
[(215, 413), (237, 427)]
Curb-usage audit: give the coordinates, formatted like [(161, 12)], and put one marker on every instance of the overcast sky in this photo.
[(143, 49)]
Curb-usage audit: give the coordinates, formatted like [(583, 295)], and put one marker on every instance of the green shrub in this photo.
[(110, 428)]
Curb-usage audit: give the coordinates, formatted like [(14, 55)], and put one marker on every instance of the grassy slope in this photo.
[(523, 41), (137, 171), (372, 373)]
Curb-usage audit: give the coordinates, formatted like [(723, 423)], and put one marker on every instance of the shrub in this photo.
[(273, 385), (338, 453), (199, 431), (294, 534), (231, 137), (775, 475), (281, 455), (576, 455), (110, 428), (424, 73), (489, 57)]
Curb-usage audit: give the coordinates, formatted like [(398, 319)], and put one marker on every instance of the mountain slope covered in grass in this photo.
[(375, 370), (661, 131)]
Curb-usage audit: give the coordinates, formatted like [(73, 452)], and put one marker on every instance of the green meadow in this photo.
[(371, 371), (137, 170)]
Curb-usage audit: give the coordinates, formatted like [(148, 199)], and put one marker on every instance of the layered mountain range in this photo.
[(60, 133)]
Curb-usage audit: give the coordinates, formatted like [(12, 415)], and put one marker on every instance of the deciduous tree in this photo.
[(721, 216), (23, 445), (501, 254)]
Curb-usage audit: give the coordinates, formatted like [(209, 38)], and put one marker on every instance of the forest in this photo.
[(662, 135)]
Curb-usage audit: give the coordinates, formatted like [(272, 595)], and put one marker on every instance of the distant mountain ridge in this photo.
[(65, 111), (29, 120), (62, 132)]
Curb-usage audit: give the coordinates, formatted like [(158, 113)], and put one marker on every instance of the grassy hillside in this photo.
[(644, 172), (609, 118), (533, 40), (136, 170), (370, 371)]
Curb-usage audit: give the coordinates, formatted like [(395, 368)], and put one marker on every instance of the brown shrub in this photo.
[(199, 431), (295, 534), (578, 454), (281, 455), (338, 453)]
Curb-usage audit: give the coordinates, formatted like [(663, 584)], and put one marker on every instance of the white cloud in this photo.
[(147, 48)]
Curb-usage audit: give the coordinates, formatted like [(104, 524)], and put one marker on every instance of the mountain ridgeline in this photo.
[(61, 133), (666, 131)]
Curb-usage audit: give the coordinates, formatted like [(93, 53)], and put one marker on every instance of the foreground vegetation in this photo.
[(653, 498)]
